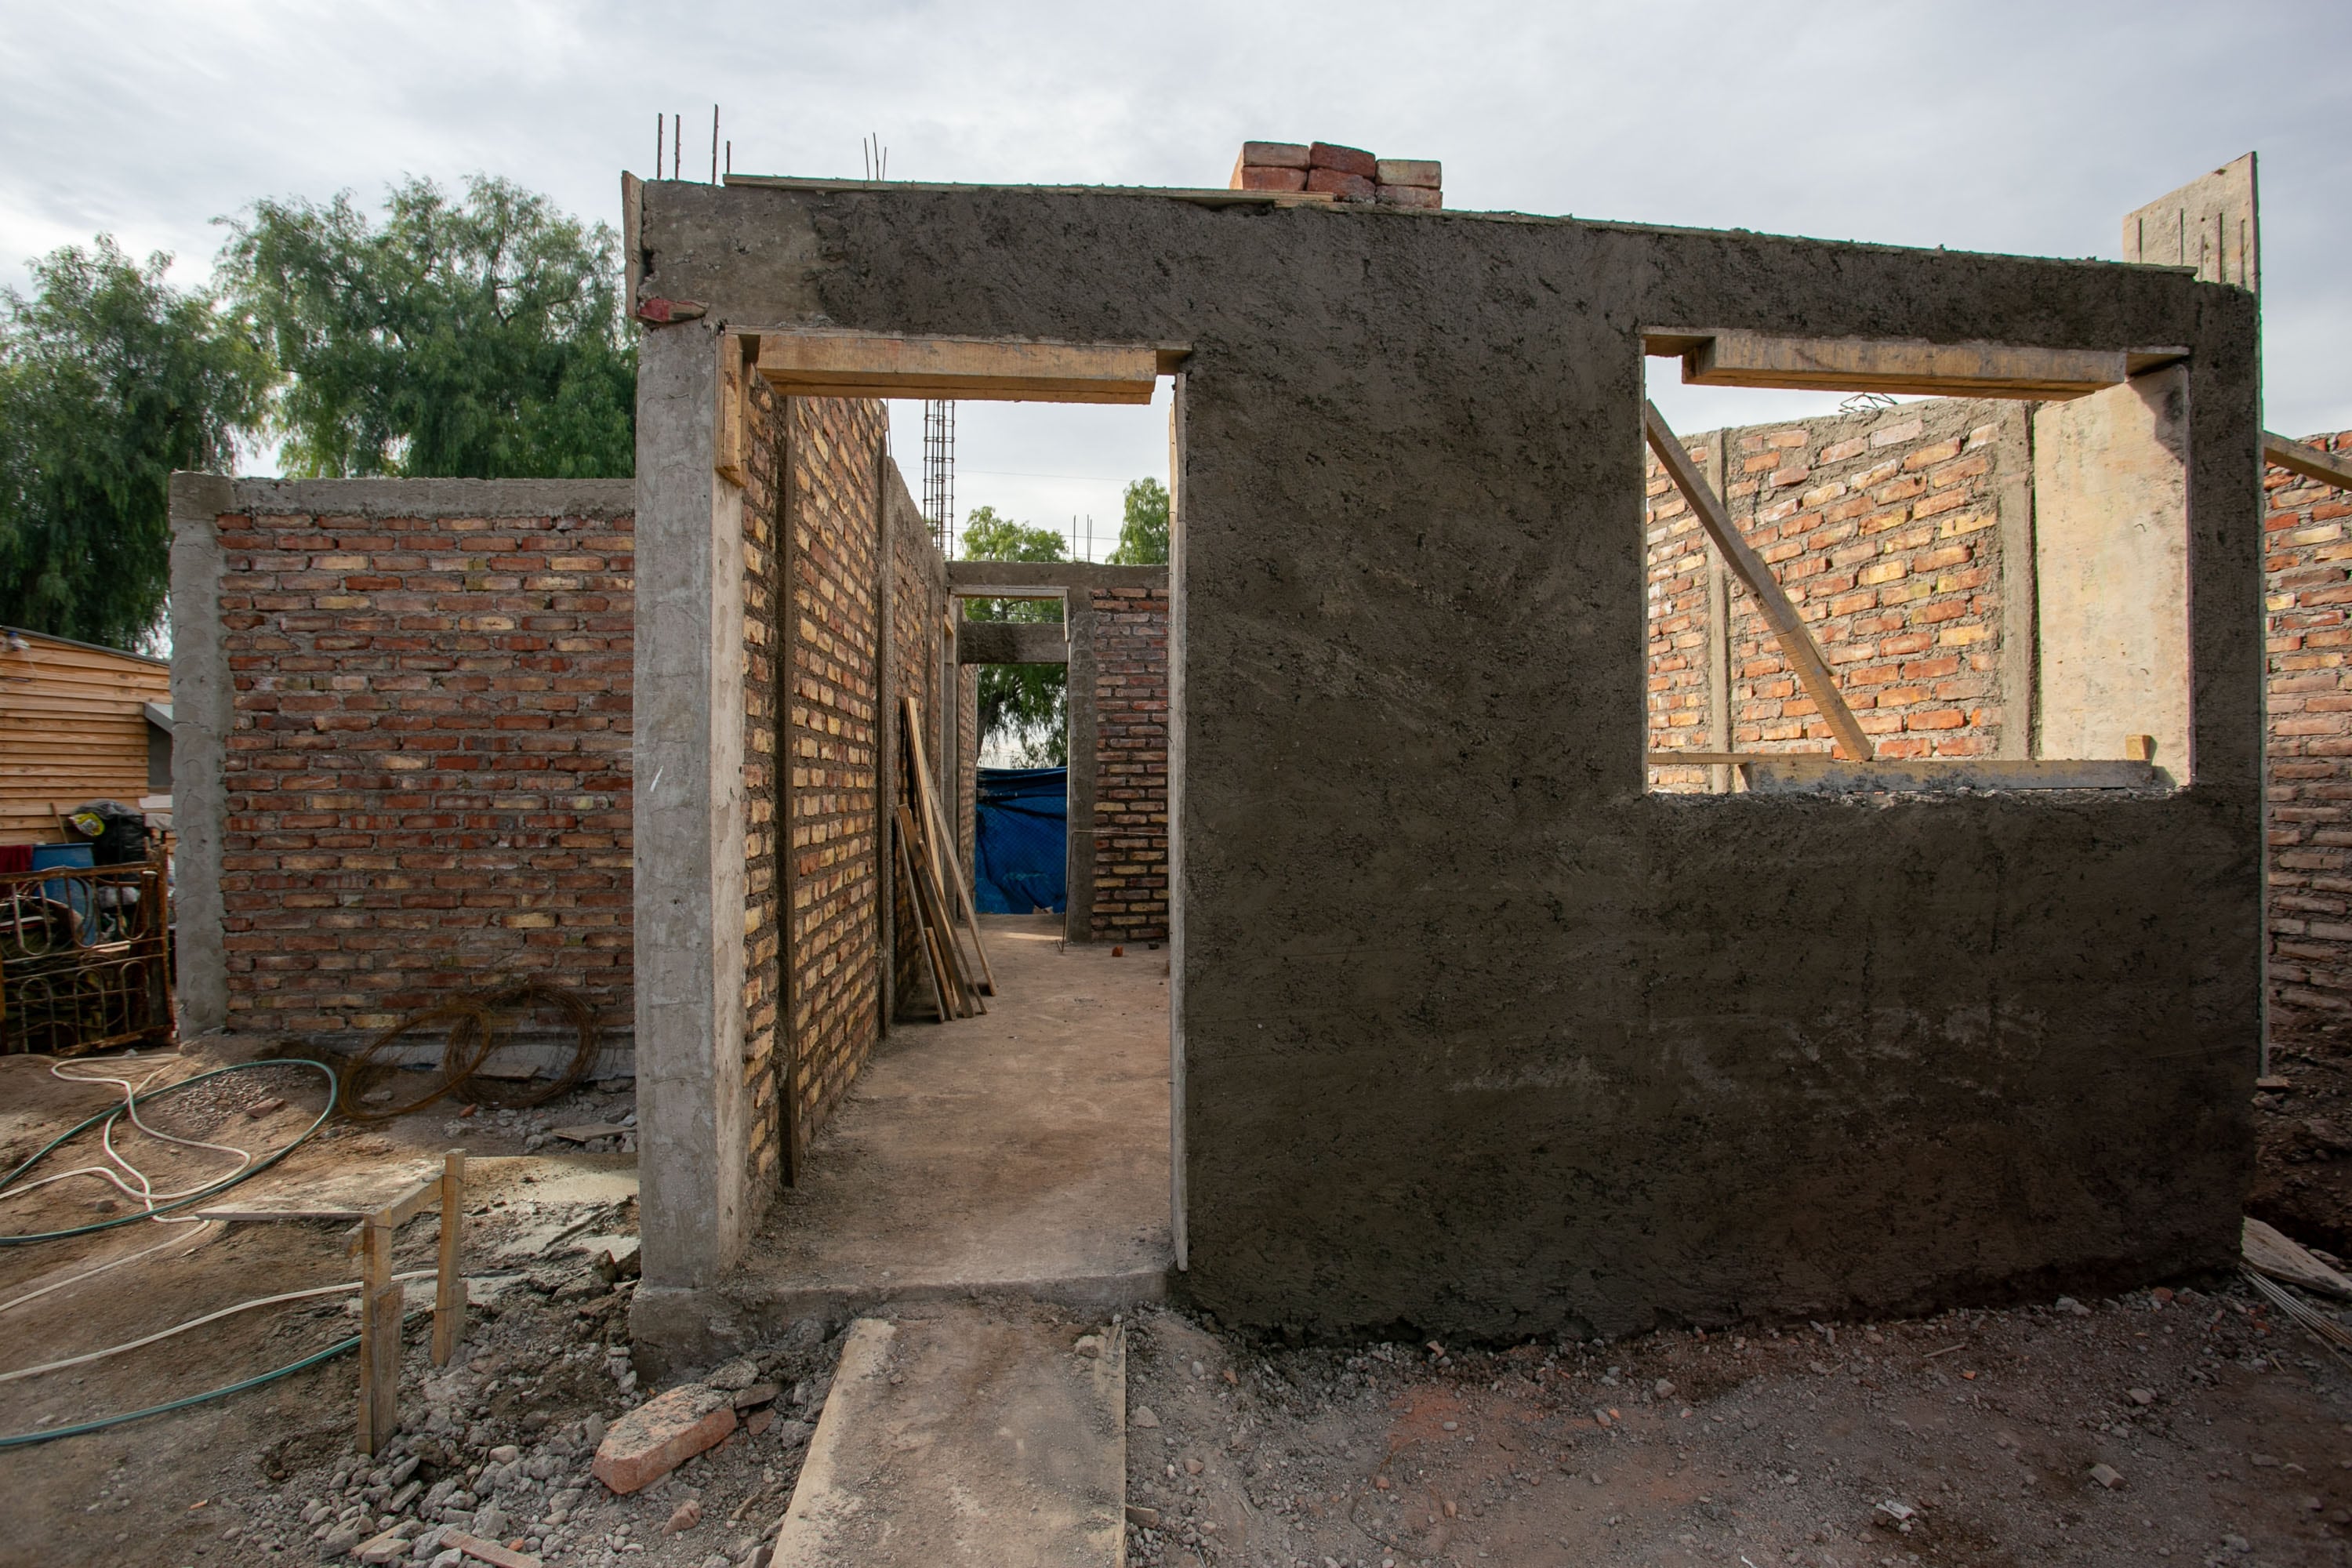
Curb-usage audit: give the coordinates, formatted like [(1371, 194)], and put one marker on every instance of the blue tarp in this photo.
[(1021, 841)]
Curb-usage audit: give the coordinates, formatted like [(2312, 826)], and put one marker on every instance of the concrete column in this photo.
[(201, 709), (2012, 456), (1078, 621), (1179, 897), (693, 1108), (1718, 636)]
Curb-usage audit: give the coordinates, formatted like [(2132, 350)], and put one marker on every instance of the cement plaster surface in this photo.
[(1475, 1036)]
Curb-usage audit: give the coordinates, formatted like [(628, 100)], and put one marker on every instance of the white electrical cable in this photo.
[(145, 1192), (200, 1322), (116, 1263)]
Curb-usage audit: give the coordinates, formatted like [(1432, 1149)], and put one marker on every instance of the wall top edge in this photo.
[(435, 497)]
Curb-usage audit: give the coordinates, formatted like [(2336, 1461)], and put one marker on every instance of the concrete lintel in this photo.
[(201, 714), (434, 497), (688, 745), (1013, 642), (1023, 579)]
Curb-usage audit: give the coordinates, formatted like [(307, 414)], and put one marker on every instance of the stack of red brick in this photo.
[(1344, 173)]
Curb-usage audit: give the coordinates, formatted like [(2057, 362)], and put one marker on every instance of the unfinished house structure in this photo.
[(1473, 1027), (1604, 870)]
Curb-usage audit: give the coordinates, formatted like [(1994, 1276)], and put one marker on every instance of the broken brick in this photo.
[(662, 1434)]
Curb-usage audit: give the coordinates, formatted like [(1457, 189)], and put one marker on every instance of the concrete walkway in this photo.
[(1026, 1151), (991, 1437)]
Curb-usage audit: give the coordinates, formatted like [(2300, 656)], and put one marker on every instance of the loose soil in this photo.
[(1968, 1438)]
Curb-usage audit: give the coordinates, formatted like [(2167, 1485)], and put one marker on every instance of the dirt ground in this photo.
[(1969, 1438)]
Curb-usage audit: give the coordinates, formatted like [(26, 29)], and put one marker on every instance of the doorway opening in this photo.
[(1025, 1141)]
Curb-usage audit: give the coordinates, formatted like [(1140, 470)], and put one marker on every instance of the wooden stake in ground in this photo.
[(1797, 645), (938, 826), (379, 1301), (449, 1274)]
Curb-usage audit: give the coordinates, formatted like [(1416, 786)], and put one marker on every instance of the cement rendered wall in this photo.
[(1476, 1034)]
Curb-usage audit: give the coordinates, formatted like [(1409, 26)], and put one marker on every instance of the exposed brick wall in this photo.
[(831, 716), (766, 1062), (1130, 810), (1883, 531), (428, 773), (2308, 567), (968, 763), (919, 589)]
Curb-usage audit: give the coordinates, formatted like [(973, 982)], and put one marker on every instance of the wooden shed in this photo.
[(78, 722)]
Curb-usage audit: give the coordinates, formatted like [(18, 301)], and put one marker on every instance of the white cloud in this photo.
[(1986, 126)]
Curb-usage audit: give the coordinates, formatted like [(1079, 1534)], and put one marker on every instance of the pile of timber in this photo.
[(927, 858)]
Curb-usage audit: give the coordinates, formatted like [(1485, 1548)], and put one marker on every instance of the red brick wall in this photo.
[(428, 773), (2308, 566), (1882, 529), (831, 716), (765, 1063), (1130, 813), (918, 587)]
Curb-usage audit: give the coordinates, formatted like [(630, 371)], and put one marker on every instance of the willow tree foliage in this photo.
[(482, 338), (1024, 706), (110, 379)]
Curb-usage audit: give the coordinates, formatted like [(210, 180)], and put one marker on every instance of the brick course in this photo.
[(1882, 530), (2307, 567), (427, 771), (1130, 811)]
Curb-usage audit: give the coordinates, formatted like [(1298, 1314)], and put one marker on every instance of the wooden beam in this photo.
[(1727, 357), (2311, 462), (868, 364), (1797, 645)]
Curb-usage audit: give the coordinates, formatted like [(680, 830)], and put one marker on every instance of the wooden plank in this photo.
[(2311, 462), (488, 1552), (932, 901), (938, 826), (449, 1267), (1805, 656), (866, 364), (1734, 358), (932, 964)]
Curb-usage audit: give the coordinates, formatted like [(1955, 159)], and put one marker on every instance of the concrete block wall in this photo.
[(424, 787), (1131, 793), (2307, 563), (1884, 530)]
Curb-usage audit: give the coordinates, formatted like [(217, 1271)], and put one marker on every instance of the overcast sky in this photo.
[(2029, 128)]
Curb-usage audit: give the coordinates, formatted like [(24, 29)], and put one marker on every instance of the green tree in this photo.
[(483, 338), (110, 379), (1024, 704), (1143, 533)]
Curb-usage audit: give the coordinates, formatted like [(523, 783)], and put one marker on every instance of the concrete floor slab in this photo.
[(1023, 1152), (970, 1434)]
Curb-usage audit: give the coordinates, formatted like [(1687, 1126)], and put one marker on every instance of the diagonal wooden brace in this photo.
[(1797, 645)]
